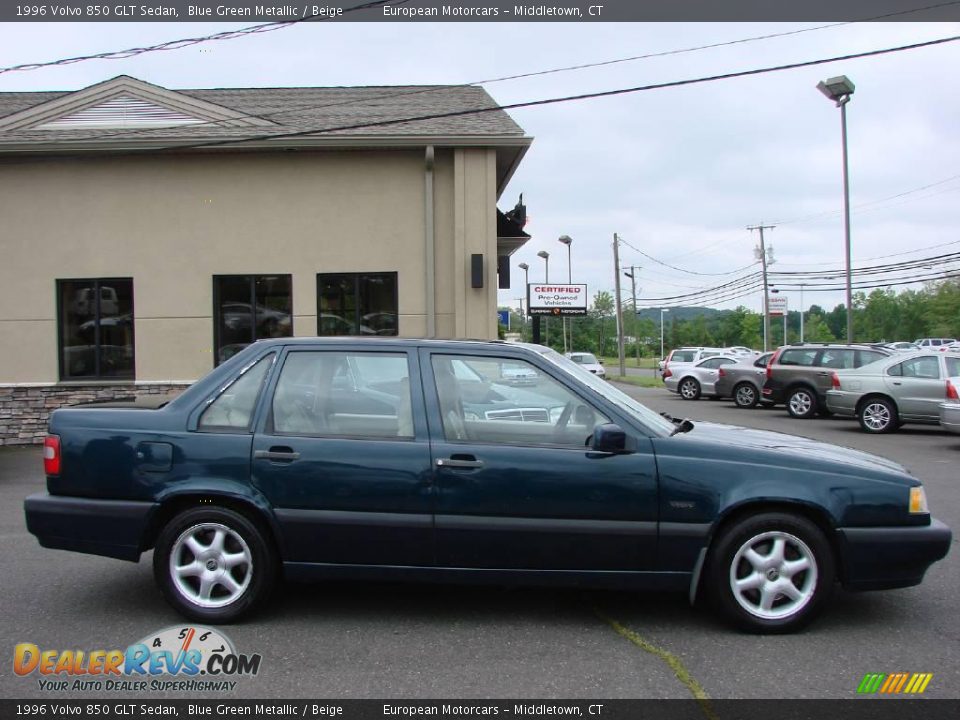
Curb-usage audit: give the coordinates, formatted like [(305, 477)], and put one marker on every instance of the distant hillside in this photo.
[(680, 313)]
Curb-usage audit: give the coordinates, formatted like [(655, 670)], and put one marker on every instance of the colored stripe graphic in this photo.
[(894, 683)]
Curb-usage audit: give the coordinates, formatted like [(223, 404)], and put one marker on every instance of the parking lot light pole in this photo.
[(839, 89), (568, 241), (662, 311), (546, 280), (535, 329)]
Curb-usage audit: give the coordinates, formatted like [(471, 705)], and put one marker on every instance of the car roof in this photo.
[(381, 341)]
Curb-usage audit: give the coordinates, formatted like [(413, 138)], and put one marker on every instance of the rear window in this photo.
[(803, 358)]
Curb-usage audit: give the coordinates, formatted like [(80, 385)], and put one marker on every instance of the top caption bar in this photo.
[(398, 11)]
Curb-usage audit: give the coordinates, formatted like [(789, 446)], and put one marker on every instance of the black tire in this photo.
[(812, 586), (745, 395), (689, 389), (253, 575), (802, 403), (878, 415)]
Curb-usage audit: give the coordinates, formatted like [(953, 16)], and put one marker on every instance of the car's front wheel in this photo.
[(772, 573), (745, 395), (802, 403), (878, 415), (689, 389), (214, 564)]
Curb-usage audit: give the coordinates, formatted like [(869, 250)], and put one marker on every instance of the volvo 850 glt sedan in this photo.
[(409, 459)]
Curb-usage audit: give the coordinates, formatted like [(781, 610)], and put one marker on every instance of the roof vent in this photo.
[(122, 111)]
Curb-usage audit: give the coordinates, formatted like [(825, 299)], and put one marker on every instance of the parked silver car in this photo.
[(903, 388), (743, 381), (694, 380), (950, 408)]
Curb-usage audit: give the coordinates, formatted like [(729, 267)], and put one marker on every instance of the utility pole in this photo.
[(762, 256), (633, 285), (616, 275)]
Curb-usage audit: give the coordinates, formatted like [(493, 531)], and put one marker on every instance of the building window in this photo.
[(357, 304), (248, 308), (96, 329)]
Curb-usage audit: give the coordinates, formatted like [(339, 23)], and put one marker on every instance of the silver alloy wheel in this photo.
[(876, 416), (688, 389), (801, 402), (746, 395), (773, 575), (211, 565)]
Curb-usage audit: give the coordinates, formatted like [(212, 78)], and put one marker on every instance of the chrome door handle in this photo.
[(454, 463)]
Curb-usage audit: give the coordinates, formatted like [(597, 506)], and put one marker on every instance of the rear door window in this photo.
[(803, 358), (683, 356)]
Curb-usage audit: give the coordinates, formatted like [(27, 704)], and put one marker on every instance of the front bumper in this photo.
[(113, 528), (842, 403), (882, 558), (950, 417)]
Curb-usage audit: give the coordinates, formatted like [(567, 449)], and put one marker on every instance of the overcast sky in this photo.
[(678, 172)]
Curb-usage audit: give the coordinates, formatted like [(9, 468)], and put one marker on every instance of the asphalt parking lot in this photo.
[(353, 640)]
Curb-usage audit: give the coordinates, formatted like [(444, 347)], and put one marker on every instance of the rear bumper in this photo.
[(891, 557), (113, 528)]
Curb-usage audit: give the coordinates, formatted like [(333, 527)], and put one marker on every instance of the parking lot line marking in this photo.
[(672, 661)]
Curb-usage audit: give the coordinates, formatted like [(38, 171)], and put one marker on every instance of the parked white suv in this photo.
[(692, 355), (924, 343)]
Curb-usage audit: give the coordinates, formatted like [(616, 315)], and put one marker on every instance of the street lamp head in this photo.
[(544, 254), (565, 239), (839, 89), (523, 266)]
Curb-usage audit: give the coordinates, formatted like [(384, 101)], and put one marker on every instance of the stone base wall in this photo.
[(24, 409)]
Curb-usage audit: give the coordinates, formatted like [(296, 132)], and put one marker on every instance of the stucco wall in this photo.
[(173, 222)]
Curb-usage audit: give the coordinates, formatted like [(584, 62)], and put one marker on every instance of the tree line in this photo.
[(883, 315)]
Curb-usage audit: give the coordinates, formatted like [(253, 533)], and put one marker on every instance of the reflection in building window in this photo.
[(96, 329), (248, 308), (357, 304)]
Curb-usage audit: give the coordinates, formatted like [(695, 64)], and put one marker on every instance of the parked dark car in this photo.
[(800, 375), (743, 381), (349, 458)]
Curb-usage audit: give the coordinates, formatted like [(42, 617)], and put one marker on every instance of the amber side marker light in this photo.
[(51, 455), (918, 500)]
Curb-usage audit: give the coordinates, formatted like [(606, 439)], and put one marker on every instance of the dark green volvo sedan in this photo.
[(415, 460)]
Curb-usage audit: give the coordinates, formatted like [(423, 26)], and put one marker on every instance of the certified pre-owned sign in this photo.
[(546, 299)]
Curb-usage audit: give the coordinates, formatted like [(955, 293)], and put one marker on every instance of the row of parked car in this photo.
[(881, 385)]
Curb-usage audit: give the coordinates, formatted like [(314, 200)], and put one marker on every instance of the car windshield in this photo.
[(584, 359), (647, 416)]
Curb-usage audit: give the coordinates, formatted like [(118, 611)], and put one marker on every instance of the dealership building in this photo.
[(149, 233)]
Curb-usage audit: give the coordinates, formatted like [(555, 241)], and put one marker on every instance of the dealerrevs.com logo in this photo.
[(192, 658)]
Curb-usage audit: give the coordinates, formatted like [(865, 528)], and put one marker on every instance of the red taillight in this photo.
[(51, 454), (666, 373), (721, 372), (835, 381), (952, 391), (773, 359)]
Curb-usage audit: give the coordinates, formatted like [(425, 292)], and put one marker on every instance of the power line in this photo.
[(187, 42), (489, 81), (679, 269), (831, 213), (563, 99)]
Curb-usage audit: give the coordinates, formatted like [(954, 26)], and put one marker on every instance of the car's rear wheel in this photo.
[(802, 403), (745, 395), (689, 389), (878, 415), (214, 564), (772, 572)]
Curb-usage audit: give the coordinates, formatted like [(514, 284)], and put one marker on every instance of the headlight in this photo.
[(918, 501)]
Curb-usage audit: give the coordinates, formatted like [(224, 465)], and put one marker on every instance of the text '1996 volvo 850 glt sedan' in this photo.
[(411, 459)]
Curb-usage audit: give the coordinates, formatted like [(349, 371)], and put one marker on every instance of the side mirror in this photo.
[(608, 437)]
